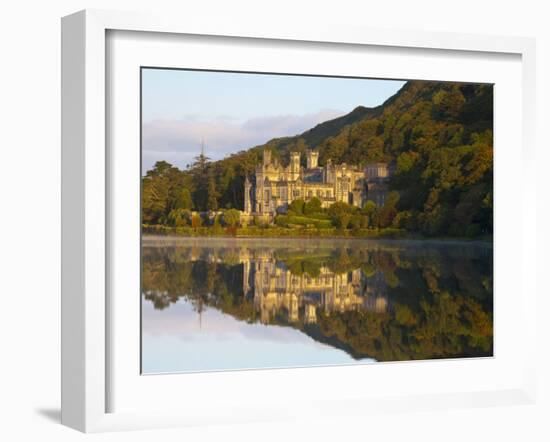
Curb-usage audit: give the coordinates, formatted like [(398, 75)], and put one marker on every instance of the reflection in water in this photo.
[(326, 301), (278, 292)]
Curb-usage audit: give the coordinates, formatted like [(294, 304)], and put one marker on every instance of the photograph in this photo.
[(292, 220)]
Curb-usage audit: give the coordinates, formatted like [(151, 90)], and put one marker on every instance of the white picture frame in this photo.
[(86, 356)]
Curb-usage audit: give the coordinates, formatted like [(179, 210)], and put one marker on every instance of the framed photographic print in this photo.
[(263, 224), (320, 248)]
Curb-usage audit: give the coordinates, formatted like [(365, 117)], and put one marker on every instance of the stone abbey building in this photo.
[(274, 186)]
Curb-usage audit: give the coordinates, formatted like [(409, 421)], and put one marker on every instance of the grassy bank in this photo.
[(295, 232), (273, 232)]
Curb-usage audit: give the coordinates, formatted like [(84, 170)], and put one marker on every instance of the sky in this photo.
[(231, 112), (176, 340)]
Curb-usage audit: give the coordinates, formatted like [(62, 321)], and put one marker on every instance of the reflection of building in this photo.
[(274, 187), (277, 291)]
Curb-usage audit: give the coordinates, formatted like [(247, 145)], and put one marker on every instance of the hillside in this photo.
[(437, 135)]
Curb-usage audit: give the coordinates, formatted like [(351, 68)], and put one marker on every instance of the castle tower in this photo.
[(328, 172), (247, 196), (295, 164), (312, 159), (246, 276)]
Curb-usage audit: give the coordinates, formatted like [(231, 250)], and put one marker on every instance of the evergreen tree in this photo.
[(199, 173), (212, 197)]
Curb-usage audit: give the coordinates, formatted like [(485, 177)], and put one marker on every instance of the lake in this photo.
[(235, 303)]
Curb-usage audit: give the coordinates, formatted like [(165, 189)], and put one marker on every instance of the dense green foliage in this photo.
[(438, 136)]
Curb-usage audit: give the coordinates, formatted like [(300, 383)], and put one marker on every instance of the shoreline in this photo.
[(150, 237)]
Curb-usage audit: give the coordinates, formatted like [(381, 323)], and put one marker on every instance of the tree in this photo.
[(160, 168), (179, 217), (312, 206), (481, 162), (369, 207), (212, 200), (199, 171), (448, 104), (392, 199), (402, 220), (184, 200), (232, 217), (387, 213), (228, 183), (340, 207), (355, 222), (154, 199), (342, 220), (297, 206), (437, 136), (375, 149)]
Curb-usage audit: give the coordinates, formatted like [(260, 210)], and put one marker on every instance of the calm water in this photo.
[(224, 303)]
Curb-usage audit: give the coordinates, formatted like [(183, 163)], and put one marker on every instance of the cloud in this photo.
[(178, 141), (180, 320)]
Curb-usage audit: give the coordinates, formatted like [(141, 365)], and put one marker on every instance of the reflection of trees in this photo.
[(440, 298)]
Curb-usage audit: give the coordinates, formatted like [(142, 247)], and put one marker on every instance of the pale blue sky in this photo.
[(177, 340), (236, 111)]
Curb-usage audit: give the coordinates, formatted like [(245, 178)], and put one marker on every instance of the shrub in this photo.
[(196, 221), (340, 207), (369, 208), (312, 206), (355, 222), (323, 224), (232, 217), (281, 220), (297, 206), (402, 220), (343, 220), (217, 227), (179, 218)]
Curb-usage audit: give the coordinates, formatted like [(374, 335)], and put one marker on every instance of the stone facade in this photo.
[(274, 186), (278, 292)]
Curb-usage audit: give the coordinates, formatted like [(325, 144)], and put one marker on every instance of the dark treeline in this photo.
[(438, 136)]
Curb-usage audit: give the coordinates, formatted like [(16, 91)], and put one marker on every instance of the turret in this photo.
[(295, 162), (329, 172), (247, 195), (312, 158)]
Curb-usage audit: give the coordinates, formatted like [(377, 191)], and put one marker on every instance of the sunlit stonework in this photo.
[(274, 186), (277, 291)]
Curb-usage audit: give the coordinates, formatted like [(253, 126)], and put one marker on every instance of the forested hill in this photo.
[(437, 135)]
